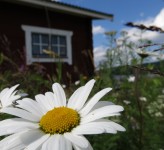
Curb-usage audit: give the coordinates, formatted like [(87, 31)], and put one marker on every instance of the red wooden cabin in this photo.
[(33, 26)]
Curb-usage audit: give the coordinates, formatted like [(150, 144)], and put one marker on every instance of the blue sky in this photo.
[(142, 11)]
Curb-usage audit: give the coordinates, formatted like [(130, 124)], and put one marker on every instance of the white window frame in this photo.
[(28, 42)]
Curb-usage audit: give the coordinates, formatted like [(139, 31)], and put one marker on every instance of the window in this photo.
[(40, 39)]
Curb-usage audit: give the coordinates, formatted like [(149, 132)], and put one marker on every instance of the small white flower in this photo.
[(53, 123), (126, 102), (131, 79), (143, 99), (8, 96), (64, 86), (162, 91), (158, 114), (77, 82), (23, 94), (146, 53)]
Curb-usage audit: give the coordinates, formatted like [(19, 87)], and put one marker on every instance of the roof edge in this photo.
[(55, 5)]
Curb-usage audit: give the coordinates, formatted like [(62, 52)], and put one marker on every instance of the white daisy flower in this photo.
[(53, 123), (8, 96)]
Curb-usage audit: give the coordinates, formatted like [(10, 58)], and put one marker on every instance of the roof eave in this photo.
[(81, 12)]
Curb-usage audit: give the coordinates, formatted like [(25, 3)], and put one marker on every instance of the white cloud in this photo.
[(98, 30), (156, 37), (159, 20), (150, 35), (99, 54)]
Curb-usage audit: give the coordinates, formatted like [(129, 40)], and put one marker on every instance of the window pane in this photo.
[(44, 56), (45, 47), (63, 52), (35, 38), (41, 42), (54, 40), (62, 40), (35, 50), (45, 38), (55, 50)]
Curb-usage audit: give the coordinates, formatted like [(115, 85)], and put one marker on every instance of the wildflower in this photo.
[(131, 79), (77, 82), (64, 86), (158, 114), (126, 102), (162, 91), (50, 53), (84, 77), (51, 122), (144, 54), (143, 99), (8, 96), (97, 77), (23, 94)]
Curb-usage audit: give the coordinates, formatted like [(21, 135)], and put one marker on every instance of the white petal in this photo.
[(7, 96), (116, 126), (84, 95), (95, 128), (76, 147), (31, 136), (101, 104), (3, 92), (38, 142), (44, 104), (11, 142), (10, 126), (98, 127), (72, 100), (45, 144), (59, 92), (57, 142), (21, 113), (102, 112), (94, 100), (65, 144), (20, 140), (77, 140), (89, 128), (52, 143), (14, 97), (31, 106), (10, 91), (79, 148), (52, 99)]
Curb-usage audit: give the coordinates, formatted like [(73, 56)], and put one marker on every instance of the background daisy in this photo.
[(8, 96)]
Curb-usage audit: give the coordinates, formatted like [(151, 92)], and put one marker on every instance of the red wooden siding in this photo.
[(12, 16)]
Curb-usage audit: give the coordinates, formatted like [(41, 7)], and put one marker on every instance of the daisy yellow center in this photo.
[(59, 120)]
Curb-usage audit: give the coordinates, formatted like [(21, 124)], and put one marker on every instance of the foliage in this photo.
[(142, 99), (30, 81)]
